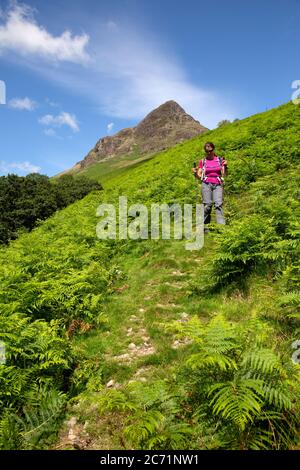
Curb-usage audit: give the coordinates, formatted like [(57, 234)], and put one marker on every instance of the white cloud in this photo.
[(129, 73), (62, 119), (22, 104), (21, 34), (50, 132), (110, 127), (142, 75), (21, 168), (53, 104)]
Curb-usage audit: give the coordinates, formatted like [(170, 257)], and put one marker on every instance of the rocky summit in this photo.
[(162, 128)]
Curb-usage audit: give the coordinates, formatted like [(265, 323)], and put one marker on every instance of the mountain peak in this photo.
[(168, 108), (168, 118), (171, 104), (165, 126)]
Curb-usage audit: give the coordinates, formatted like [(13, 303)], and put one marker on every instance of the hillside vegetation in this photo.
[(27, 200), (115, 166), (143, 344)]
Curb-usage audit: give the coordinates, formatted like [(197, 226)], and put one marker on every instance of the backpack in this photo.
[(203, 169)]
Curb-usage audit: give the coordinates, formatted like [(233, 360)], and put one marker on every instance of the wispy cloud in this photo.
[(22, 104), (110, 127), (112, 26), (50, 132), (129, 72), (51, 103), (62, 119), (20, 33), (20, 168)]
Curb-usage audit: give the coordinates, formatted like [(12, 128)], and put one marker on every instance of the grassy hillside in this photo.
[(112, 167), (143, 344)]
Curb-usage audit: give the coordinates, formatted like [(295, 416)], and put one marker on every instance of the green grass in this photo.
[(146, 276), (112, 167), (61, 270)]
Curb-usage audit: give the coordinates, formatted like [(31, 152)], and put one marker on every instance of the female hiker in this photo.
[(211, 170)]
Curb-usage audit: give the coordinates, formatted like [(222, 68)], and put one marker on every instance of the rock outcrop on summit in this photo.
[(162, 128)]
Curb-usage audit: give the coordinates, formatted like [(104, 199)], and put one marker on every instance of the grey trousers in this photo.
[(212, 194)]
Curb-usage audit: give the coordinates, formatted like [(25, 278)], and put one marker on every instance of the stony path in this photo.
[(152, 292), (155, 292)]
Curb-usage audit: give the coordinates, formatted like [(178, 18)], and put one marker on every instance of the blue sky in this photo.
[(77, 70)]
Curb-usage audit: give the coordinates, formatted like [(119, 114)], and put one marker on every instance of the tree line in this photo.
[(27, 200)]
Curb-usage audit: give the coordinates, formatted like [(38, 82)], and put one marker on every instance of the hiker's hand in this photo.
[(224, 162), (196, 174)]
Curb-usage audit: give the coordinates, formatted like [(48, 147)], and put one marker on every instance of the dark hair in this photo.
[(209, 143)]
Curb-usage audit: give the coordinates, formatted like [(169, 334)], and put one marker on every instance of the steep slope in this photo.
[(160, 129), (235, 304), (105, 170)]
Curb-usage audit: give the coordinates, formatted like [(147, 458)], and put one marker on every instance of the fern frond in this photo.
[(264, 361), (38, 421), (203, 360), (278, 395), (217, 346), (237, 401), (144, 425), (114, 400)]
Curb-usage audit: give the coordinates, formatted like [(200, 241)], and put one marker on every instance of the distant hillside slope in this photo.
[(162, 128), (105, 170)]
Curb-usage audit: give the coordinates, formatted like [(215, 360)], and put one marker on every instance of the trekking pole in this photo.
[(196, 178), (195, 173)]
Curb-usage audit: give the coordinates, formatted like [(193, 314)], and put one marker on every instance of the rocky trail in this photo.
[(154, 291)]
